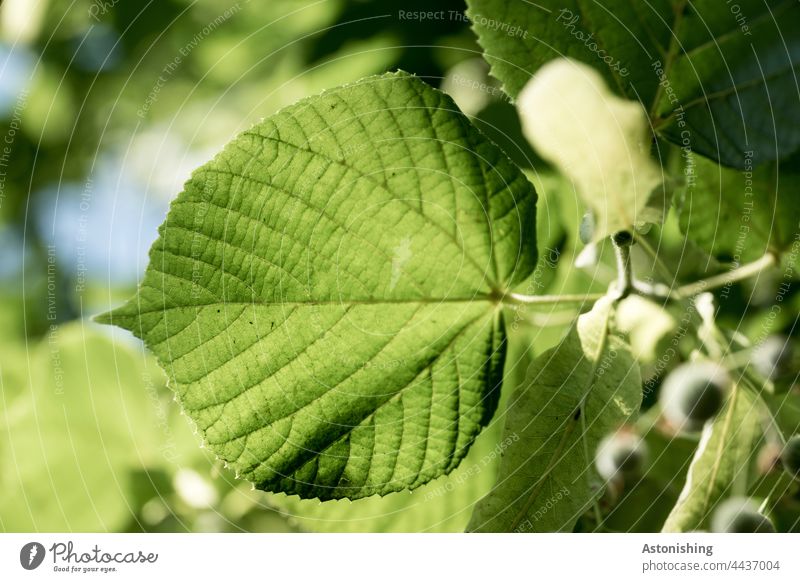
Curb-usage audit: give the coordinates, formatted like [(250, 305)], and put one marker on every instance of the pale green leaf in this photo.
[(13, 370), (324, 294), (557, 272), (83, 420), (717, 81), (576, 394), (551, 229), (719, 468), (597, 140), (646, 324)]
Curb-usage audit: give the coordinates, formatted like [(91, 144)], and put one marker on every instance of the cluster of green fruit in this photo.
[(691, 395)]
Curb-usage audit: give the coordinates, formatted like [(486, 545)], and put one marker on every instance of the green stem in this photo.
[(622, 251), (740, 273), (545, 319), (738, 360), (520, 299), (626, 283)]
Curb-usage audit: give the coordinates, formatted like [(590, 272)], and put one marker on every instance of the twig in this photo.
[(622, 251), (551, 299), (740, 273)]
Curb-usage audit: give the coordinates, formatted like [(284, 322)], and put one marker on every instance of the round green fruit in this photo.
[(740, 515), (621, 455), (693, 394)]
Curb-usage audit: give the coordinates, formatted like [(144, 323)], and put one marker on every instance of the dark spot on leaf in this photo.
[(577, 414)]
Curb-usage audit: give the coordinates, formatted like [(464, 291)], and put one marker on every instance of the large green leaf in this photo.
[(739, 215), (325, 294), (717, 81), (726, 450), (576, 394), (81, 422)]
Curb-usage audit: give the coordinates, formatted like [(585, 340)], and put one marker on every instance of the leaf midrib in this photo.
[(312, 303), (723, 440), (672, 55)]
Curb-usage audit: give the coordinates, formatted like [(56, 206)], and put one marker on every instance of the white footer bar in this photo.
[(356, 557)]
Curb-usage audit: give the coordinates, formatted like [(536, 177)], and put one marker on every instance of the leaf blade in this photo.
[(760, 204), (559, 419), (735, 88), (442, 505), (292, 297), (725, 451), (597, 140)]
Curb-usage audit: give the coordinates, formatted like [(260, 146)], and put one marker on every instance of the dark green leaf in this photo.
[(740, 215), (720, 81)]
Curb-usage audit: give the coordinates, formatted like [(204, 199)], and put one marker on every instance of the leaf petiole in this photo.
[(520, 299), (738, 274), (622, 252)]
